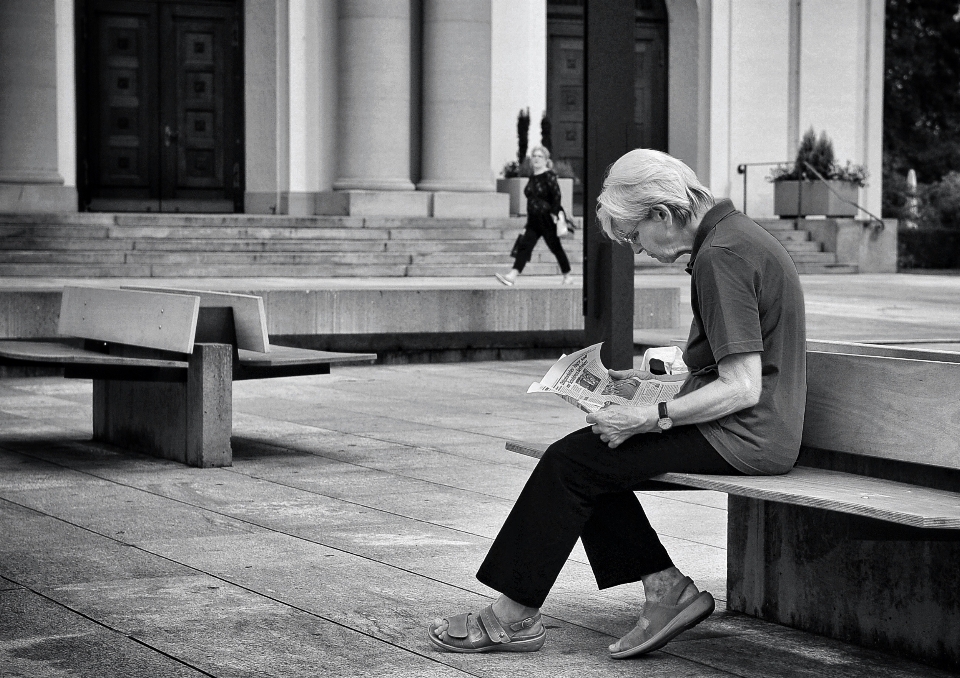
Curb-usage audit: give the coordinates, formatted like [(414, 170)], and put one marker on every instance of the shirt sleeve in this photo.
[(728, 295), (553, 188)]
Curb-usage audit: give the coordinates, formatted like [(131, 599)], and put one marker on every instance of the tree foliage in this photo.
[(921, 125)]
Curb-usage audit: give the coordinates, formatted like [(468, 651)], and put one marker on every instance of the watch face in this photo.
[(665, 423)]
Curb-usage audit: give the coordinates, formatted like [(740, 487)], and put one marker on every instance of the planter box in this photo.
[(518, 201), (815, 198)]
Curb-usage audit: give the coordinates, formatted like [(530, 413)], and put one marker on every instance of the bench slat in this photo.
[(150, 319), (249, 316), (816, 488), (890, 408), (52, 352), (289, 355)]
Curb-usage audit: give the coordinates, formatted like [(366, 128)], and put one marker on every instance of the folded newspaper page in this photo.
[(581, 379)]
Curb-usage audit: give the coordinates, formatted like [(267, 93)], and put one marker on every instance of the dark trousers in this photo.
[(582, 488), (540, 226)]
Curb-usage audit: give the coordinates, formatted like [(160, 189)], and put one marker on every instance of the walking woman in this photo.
[(543, 206)]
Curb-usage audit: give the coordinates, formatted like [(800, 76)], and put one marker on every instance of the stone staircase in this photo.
[(807, 253), (89, 245), (157, 245)]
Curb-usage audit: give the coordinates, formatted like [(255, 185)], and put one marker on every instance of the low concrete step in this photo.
[(484, 270), (827, 268), (802, 246), (257, 258)]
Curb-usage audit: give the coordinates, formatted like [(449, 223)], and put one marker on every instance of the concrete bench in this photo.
[(860, 540), (163, 363)]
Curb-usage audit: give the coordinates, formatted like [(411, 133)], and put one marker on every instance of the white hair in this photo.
[(643, 179)]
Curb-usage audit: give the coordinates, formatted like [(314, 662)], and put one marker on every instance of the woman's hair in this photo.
[(643, 178), (546, 154)]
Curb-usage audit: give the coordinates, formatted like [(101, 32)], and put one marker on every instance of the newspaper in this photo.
[(581, 379)]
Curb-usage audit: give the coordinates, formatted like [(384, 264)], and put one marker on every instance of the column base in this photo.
[(465, 205), (374, 203), (41, 197)]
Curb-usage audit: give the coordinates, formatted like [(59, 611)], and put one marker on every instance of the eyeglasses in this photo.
[(631, 239)]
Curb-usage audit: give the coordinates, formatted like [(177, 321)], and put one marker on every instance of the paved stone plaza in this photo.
[(359, 506)]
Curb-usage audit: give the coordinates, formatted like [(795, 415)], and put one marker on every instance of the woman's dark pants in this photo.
[(540, 226), (582, 488)]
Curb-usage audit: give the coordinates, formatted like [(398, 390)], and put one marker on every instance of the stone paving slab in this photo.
[(42, 639)]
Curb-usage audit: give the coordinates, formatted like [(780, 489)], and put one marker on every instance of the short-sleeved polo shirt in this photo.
[(746, 297)]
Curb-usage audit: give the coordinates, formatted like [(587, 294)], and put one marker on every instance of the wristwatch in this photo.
[(664, 422)]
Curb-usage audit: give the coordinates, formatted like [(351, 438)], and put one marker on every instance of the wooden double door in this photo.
[(160, 106)]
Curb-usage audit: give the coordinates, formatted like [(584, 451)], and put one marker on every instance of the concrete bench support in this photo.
[(857, 579), (187, 422)]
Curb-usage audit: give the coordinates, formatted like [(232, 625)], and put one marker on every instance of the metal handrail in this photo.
[(742, 169), (873, 218)]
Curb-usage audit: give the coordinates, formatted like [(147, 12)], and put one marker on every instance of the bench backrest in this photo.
[(895, 408), (249, 316), (148, 319)]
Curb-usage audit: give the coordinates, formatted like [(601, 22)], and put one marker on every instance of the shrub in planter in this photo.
[(798, 187)]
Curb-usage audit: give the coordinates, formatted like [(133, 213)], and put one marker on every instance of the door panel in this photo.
[(124, 161), (163, 134)]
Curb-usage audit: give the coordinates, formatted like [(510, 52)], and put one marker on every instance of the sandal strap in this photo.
[(673, 595), (496, 631), (457, 626), (492, 625)]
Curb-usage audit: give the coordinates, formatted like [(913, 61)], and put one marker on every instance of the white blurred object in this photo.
[(671, 356), (913, 204)]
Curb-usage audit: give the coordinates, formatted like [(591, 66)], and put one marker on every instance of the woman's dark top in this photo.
[(543, 194)]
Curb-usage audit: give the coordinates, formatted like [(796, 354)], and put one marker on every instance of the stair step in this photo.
[(793, 246), (827, 268)]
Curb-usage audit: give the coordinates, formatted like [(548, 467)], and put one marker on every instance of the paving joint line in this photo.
[(268, 529), (217, 578), (97, 622)]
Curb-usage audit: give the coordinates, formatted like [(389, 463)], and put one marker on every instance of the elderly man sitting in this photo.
[(740, 411)]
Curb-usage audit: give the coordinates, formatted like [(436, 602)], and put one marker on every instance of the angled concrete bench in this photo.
[(861, 539), (163, 362)]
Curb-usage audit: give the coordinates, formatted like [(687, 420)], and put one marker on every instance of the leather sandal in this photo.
[(667, 620), (469, 632)]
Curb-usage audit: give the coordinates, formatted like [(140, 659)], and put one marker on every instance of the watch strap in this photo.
[(662, 409)]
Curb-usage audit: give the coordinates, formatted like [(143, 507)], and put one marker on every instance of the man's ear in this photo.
[(661, 214)]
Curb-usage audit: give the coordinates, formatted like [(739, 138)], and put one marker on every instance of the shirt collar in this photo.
[(720, 211)]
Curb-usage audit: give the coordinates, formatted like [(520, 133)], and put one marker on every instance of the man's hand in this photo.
[(615, 423), (626, 382)]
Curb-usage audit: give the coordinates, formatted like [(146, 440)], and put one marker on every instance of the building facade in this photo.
[(405, 107)]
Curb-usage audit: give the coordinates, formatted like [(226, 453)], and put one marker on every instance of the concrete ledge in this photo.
[(374, 203), (41, 197), (457, 315), (860, 243), (471, 205)]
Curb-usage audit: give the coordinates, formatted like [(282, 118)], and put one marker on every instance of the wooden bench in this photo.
[(163, 362), (861, 540)]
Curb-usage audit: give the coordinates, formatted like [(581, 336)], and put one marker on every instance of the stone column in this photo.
[(29, 177), (374, 95), (456, 96)]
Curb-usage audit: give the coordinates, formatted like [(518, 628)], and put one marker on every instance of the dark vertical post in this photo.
[(609, 64)]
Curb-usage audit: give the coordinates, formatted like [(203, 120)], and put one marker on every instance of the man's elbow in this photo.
[(746, 391)]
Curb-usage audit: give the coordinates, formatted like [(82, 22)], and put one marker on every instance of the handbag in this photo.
[(564, 226), (516, 246)]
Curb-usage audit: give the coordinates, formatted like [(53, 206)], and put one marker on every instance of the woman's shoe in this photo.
[(483, 632), (666, 620), (567, 279), (507, 279)]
